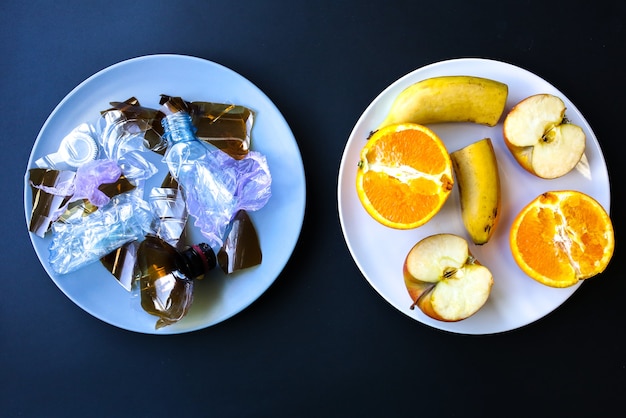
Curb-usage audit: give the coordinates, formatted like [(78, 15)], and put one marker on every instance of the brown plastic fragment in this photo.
[(241, 248), (122, 185), (122, 263), (46, 205), (226, 126)]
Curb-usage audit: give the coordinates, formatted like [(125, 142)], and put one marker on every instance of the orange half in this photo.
[(562, 237), (404, 175)]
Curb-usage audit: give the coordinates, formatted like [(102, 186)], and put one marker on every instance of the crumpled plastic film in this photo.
[(145, 120), (90, 176), (75, 244), (52, 190), (170, 210), (253, 181), (122, 140), (215, 185)]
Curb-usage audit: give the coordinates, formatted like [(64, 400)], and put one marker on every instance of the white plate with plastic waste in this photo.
[(278, 224)]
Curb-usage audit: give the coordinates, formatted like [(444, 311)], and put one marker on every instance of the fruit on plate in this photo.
[(444, 280), (477, 176), (455, 98), (541, 138), (404, 175), (562, 237)]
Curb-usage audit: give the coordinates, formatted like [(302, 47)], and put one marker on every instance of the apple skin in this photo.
[(540, 139), (444, 280)]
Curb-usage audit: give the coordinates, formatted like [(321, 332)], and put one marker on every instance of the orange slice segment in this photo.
[(404, 175), (562, 237)]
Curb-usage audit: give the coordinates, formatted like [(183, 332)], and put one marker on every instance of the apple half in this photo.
[(541, 139), (444, 280)]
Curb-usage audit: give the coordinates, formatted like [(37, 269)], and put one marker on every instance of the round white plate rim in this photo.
[(352, 215), (291, 209)]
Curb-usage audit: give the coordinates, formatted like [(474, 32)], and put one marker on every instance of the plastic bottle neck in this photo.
[(178, 127)]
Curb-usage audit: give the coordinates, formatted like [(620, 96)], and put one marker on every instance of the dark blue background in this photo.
[(320, 342)]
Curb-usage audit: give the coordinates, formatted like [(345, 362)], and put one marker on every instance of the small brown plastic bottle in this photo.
[(167, 277)]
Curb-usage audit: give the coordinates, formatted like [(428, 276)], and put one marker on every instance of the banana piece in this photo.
[(476, 170), (449, 99)]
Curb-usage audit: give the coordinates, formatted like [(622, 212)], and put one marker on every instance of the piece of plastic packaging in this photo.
[(170, 210), (122, 263), (123, 141), (88, 238), (141, 119), (241, 248), (76, 148), (48, 203), (90, 176)]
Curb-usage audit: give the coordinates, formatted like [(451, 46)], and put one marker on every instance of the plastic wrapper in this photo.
[(241, 247), (123, 141), (86, 239), (122, 263), (140, 120), (215, 185), (48, 204), (121, 185), (90, 176), (170, 210)]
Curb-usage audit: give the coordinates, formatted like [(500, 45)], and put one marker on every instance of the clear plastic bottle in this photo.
[(214, 185), (167, 277)]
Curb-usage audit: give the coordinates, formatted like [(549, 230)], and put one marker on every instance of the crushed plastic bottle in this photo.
[(167, 276), (215, 185)]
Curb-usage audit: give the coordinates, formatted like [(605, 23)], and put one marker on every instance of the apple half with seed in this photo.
[(444, 280), (541, 138)]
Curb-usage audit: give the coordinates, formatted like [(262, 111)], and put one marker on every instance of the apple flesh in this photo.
[(541, 139), (444, 280)]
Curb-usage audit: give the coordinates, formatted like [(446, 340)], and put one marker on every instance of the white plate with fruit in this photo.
[(380, 251)]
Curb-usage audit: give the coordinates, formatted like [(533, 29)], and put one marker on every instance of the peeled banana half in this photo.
[(476, 171), (449, 99)]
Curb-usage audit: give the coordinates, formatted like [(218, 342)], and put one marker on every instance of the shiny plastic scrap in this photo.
[(215, 185), (90, 176), (124, 141), (170, 210), (140, 120), (47, 206), (167, 276), (122, 263), (241, 247), (227, 126), (86, 239)]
